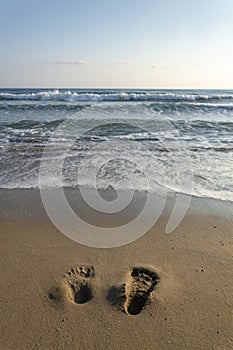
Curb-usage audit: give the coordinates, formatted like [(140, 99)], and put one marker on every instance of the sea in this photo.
[(141, 140)]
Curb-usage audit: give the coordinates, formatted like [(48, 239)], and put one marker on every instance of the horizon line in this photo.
[(116, 88)]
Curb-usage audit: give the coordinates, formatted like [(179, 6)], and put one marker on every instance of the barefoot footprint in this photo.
[(139, 290), (78, 281), (132, 297)]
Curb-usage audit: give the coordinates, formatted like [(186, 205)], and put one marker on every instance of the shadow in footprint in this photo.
[(82, 295)]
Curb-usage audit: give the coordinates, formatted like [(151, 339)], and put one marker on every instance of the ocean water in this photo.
[(156, 140)]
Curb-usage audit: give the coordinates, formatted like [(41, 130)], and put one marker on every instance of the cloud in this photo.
[(78, 62), (156, 66), (173, 66), (120, 62)]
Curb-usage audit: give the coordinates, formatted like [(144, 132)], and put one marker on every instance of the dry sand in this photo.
[(163, 291)]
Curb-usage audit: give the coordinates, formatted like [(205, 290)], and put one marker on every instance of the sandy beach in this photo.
[(163, 291), (116, 181)]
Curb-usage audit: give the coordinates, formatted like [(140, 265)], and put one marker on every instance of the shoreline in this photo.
[(205, 205), (190, 307), (169, 192)]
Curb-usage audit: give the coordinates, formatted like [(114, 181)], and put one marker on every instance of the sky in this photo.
[(116, 44)]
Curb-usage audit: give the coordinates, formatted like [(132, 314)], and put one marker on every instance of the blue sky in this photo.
[(124, 43)]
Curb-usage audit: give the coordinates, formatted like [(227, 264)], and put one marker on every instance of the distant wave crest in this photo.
[(73, 96)]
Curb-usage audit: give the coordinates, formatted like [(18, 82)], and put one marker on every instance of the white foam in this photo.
[(73, 96)]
